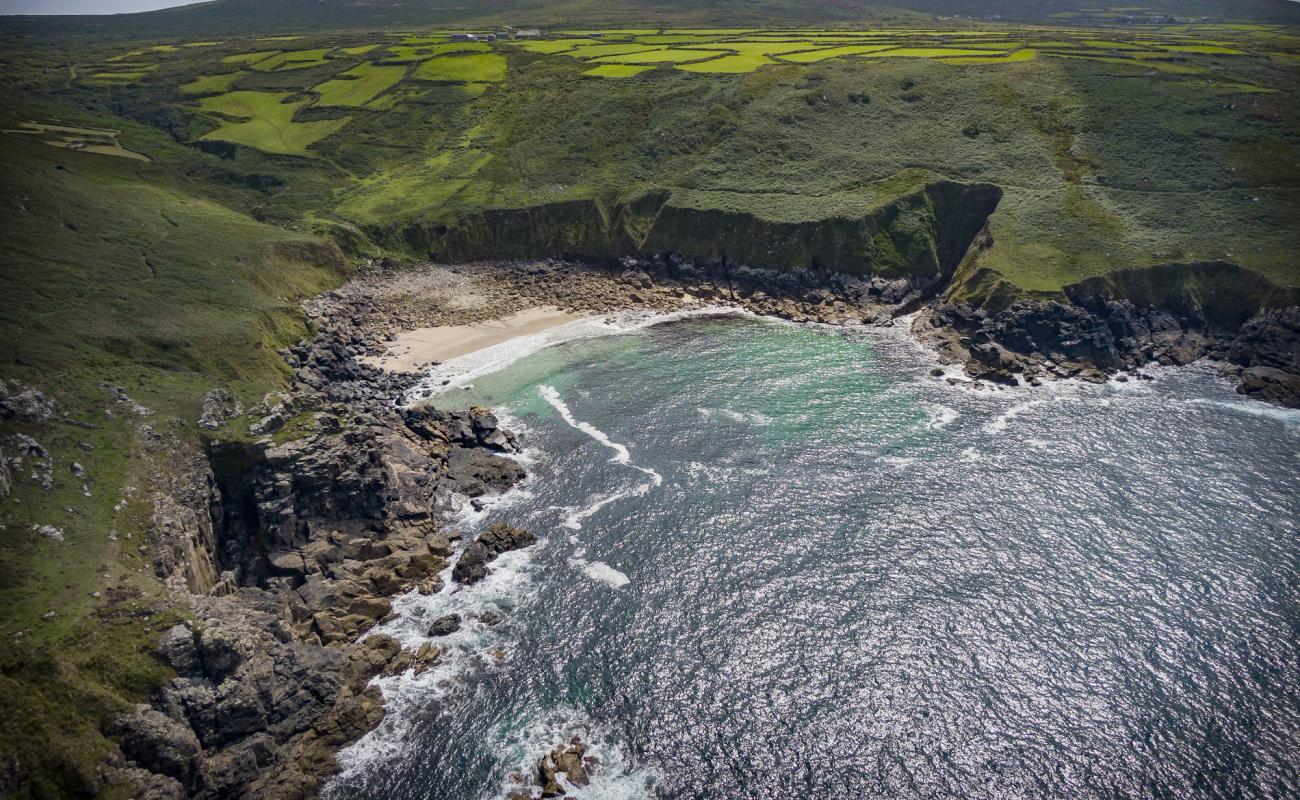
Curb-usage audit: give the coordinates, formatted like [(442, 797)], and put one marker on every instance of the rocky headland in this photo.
[(309, 511)]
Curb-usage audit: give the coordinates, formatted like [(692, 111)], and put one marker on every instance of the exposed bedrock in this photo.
[(1172, 314), (291, 541)]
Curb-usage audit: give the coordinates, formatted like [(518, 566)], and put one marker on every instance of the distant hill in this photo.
[(235, 17)]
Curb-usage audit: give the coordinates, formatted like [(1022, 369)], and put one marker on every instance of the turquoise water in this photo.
[(780, 561)]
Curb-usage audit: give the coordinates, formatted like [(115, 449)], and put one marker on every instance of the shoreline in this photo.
[(433, 345), (337, 499)]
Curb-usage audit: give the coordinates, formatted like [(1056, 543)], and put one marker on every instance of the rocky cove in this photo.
[(308, 513)]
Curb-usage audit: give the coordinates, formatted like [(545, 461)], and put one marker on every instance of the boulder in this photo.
[(1272, 385), (445, 626), (566, 759), (178, 648), (472, 566), (219, 406), (25, 404), (158, 743)]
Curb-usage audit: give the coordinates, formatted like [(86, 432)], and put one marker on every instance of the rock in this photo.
[(490, 618), (288, 563), (29, 447), (24, 404), (563, 759), (219, 651), (178, 648), (6, 480), (219, 406), (158, 743), (445, 626), (472, 567), (1272, 385)]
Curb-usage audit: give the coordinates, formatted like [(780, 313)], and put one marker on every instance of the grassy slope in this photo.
[(114, 270), (1104, 168)]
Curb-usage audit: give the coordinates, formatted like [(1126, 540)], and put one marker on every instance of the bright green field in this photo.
[(358, 85), (264, 121), (292, 59), (210, 84), (475, 67)]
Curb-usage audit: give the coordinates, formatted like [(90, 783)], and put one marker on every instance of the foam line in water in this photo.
[(458, 373), (622, 456), (1254, 408), (602, 572)]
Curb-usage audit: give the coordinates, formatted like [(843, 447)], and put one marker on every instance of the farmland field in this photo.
[(358, 85), (265, 121)]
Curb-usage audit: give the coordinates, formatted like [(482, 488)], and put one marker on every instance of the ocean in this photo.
[(787, 561)]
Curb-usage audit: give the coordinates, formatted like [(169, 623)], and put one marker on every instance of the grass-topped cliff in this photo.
[(1113, 148), (168, 197)]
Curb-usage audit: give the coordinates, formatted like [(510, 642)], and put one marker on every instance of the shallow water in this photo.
[(779, 561)]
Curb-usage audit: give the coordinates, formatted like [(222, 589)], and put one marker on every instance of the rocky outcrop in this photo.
[(219, 406), (1173, 314), (6, 480), (567, 765), (25, 404), (472, 566), (292, 541)]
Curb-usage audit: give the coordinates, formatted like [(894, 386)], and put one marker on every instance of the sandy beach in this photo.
[(416, 348)]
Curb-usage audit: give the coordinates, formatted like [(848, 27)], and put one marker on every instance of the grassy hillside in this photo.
[(1113, 147), (116, 273)]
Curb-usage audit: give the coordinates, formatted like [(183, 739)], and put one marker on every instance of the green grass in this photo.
[(358, 85), (291, 59), (405, 54), (264, 121), (475, 67), (186, 294), (249, 58), (211, 84), (813, 56), (662, 56)]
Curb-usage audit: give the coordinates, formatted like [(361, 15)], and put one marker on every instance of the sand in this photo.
[(414, 349)]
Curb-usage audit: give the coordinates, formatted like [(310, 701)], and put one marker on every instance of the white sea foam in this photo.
[(1003, 420), (574, 516), (459, 373), (1255, 408), (600, 571), (522, 743), (476, 646), (938, 416), (897, 462), (750, 417)]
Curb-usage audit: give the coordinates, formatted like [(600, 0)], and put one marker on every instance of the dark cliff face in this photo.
[(1170, 313), (921, 236)]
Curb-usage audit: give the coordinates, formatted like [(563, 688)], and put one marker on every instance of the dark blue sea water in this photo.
[(785, 562)]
